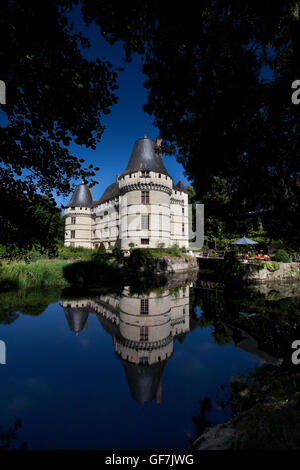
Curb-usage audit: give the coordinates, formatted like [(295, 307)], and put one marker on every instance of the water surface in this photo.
[(126, 371)]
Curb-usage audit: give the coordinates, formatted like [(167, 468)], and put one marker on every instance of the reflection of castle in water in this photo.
[(143, 328)]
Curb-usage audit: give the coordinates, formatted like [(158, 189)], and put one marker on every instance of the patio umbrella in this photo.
[(244, 241)]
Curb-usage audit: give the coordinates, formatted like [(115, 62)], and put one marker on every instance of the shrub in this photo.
[(117, 253), (160, 245), (231, 265), (101, 250), (138, 257), (71, 252), (271, 266), (282, 256), (174, 250), (92, 273)]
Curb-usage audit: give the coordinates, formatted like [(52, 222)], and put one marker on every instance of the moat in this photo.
[(134, 369)]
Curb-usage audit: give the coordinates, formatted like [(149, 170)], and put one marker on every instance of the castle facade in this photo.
[(142, 208)]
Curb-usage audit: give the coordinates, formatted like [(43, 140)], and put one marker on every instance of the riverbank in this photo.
[(266, 413), (40, 274), (268, 272), (164, 265), (99, 270), (232, 270)]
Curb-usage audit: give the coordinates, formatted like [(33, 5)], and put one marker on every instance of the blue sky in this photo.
[(127, 121)]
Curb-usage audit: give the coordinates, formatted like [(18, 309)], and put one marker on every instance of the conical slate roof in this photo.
[(76, 318), (143, 380), (144, 157), (111, 191), (181, 186), (81, 197)]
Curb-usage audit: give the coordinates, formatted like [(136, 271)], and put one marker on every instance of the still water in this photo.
[(122, 370)]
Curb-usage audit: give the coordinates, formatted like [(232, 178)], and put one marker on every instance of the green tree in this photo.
[(37, 222), (219, 75), (55, 96)]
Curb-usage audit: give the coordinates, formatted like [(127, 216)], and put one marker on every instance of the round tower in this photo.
[(145, 191), (78, 218)]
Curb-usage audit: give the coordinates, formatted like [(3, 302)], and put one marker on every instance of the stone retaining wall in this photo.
[(252, 274), (167, 265)]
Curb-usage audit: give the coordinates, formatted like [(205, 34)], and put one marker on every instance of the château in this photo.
[(142, 208)]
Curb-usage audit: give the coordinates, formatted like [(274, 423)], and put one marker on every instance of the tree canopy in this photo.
[(54, 96), (219, 75)]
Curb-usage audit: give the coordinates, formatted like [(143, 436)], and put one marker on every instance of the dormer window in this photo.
[(145, 174)]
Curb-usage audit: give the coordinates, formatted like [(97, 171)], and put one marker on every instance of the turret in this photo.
[(78, 217), (145, 189)]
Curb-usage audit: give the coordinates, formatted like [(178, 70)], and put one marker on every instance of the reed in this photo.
[(38, 274)]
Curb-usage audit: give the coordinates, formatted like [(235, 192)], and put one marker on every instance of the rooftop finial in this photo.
[(145, 133)]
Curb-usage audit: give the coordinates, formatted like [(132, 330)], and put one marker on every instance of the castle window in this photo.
[(144, 306), (73, 220), (145, 222), (145, 174), (144, 360), (144, 241), (81, 208), (183, 210), (145, 197), (144, 333), (159, 175), (72, 233), (182, 228)]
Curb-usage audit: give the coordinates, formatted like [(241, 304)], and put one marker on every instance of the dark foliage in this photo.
[(54, 96), (85, 274), (219, 75)]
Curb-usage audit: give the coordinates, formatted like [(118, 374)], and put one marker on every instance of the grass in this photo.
[(39, 274), (39, 270), (79, 267)]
